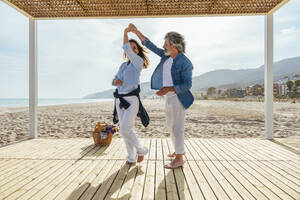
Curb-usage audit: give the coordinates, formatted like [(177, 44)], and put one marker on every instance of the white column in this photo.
[(33, 79), (269, 48)]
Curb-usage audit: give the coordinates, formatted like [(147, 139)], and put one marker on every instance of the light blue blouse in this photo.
[(130, 73)]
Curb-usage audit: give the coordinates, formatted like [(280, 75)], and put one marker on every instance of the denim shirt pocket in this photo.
[(177, 76)]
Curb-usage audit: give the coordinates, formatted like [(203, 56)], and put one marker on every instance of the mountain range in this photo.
[(224, 79)]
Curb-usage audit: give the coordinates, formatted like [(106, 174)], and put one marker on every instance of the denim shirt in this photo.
[(181, 73), (130, 73)]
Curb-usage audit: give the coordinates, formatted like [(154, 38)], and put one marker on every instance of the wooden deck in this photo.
[(214, 169)]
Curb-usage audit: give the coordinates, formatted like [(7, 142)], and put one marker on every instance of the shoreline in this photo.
[(57, 102)]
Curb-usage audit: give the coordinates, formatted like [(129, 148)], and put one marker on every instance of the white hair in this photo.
[(177, 40)]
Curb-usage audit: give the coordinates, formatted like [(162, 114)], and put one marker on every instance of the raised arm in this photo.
[(146, 42), (137, 61), (125, 37)]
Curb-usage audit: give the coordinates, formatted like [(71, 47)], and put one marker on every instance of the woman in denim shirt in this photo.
[(127, 80)]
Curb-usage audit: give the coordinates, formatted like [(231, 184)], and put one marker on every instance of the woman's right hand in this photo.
[(118, 82)]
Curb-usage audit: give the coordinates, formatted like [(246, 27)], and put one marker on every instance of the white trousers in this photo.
[(126, 119), (175, 119)]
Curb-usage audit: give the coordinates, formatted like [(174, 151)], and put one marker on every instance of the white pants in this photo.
[(175, 119), (126, 118)]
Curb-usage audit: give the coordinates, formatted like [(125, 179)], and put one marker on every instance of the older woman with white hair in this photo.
[(173, 78)]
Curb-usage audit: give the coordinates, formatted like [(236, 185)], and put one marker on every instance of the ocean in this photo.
[(6, 102)]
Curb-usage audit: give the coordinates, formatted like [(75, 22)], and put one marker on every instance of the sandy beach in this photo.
[(206, 118)]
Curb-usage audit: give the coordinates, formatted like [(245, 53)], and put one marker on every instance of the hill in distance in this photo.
[(223, 78)]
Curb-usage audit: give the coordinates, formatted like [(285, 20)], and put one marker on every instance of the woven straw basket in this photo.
[(101, 127)]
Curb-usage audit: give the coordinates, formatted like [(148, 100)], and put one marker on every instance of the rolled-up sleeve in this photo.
[(136, 60), (186, 75)]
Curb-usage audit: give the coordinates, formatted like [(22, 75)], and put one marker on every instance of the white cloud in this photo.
[(290, 31)]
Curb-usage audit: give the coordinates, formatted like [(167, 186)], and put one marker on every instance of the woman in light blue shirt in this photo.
[(127, 81)]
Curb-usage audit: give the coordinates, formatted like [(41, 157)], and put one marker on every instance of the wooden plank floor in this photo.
[(214, 169)]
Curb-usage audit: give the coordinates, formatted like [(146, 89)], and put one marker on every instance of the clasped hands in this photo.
[(131, 28)]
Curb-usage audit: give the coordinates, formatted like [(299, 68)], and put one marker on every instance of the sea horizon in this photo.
[(24, 102)]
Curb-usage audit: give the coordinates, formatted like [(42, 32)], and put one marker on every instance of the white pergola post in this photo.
[(33, 79), (269, 48)]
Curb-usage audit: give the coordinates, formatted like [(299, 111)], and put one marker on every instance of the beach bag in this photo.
[(103, 133)]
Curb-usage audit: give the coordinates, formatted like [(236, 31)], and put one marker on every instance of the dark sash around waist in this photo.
[(142, 113)]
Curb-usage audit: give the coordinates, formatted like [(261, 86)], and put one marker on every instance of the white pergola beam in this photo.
[(269, 49), (278, 6), (17, 9), (33, 79)]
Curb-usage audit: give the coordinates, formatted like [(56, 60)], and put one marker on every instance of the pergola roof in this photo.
[(53, 9)]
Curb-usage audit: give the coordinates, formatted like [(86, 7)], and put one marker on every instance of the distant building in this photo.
[(241, 93), (282, 90), (276, 89), (256, 90)]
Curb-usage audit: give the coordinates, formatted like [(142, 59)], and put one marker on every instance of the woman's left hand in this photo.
[(118, 82)]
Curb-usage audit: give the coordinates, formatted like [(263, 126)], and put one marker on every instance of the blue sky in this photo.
[(79, 57)]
